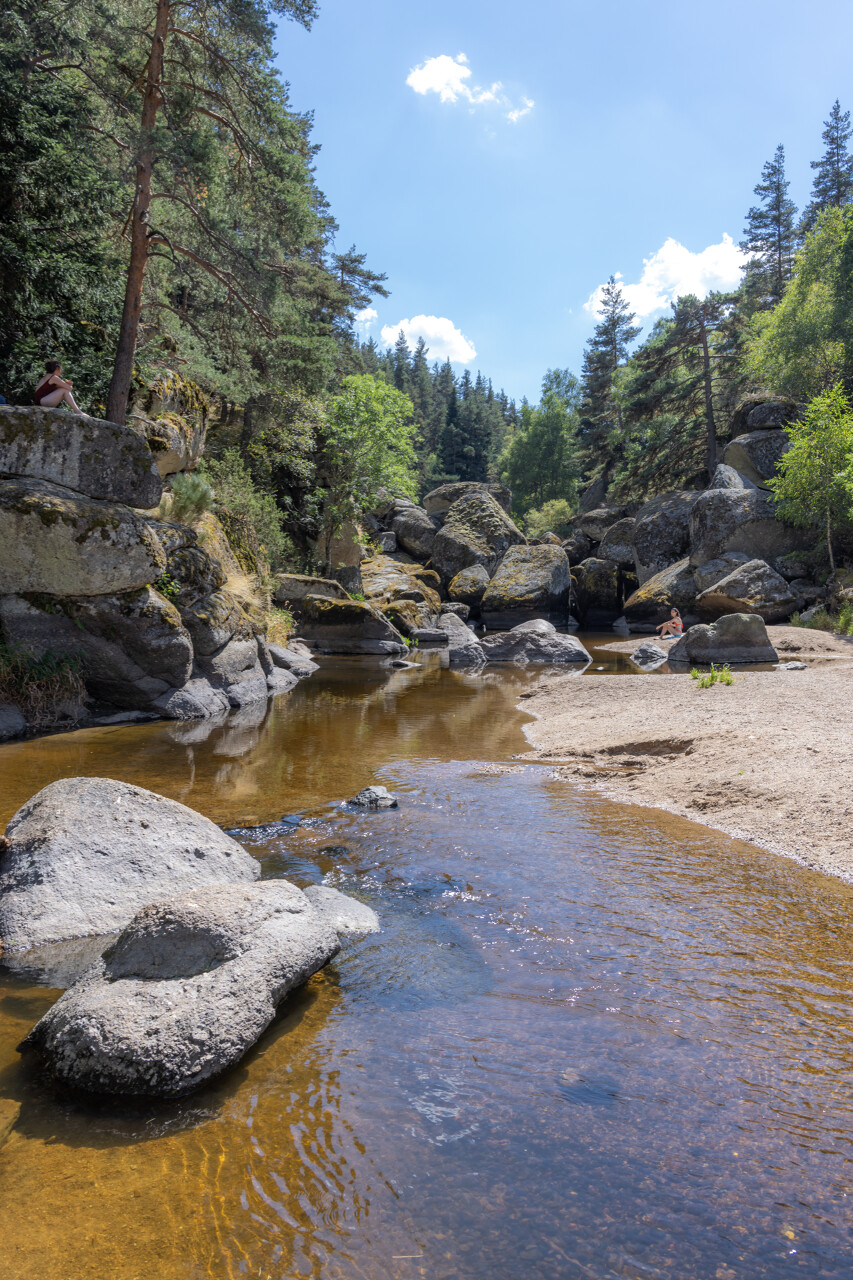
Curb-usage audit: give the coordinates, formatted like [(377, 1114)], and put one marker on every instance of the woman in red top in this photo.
[(673, 626), (53, 389)]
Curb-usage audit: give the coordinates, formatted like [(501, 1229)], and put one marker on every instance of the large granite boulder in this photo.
[(132, 645), (737, 637), (96, 458), (599, 591), (348, 626), (292, 588), (756, 455), (176, 443), (463, 647), (58, 542), (537, 641), (662, 532), (188, 987), (476, 531), (741, 520), (595, 523), (387, 581), (726, 477), (440, 500), (750, 588), (85, 854), (757, 413), (530, 582), (415, 532), (469, 586), (618, 543), (651, 603), (713, 571)]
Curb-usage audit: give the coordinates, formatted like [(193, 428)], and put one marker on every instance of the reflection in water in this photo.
[(590, 1041)]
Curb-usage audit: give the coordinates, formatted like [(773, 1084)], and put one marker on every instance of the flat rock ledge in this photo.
[(190, 985)]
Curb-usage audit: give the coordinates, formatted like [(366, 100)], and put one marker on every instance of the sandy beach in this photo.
[(767, 759)]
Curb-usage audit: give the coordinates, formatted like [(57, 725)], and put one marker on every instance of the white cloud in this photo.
[(449, 78), (364, 320), (674, 271), (444, 340)]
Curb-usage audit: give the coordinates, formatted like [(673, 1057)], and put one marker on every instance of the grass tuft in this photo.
[(39, 686)]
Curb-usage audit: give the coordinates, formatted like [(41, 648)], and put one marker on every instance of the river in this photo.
[(591, 1040)]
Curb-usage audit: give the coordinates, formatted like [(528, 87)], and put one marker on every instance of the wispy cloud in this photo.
[(365, 319), (450, 79), (444, 340), (674, 271)]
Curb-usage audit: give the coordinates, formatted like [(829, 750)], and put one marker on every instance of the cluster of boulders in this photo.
[(205, 952), (436, 568), (708, 553), (89, 571)]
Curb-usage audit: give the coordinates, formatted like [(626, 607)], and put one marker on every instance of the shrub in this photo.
[(280, 625), (237, 494), (838, 624), (552, 517), (190, 496), (38, 686)]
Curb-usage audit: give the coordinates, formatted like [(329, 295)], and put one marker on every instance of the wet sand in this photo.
[(767, 759)]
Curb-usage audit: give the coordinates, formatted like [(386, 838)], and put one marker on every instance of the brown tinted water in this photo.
[(590, 1041)]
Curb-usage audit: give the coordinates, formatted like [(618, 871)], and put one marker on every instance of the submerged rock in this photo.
[(375, 797), (648, 655), (531, 642), (189, 986), (84, 854), (738, 637)]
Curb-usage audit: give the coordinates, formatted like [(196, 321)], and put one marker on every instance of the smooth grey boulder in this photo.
[(430, 637), (750, 588), (653, 602), (84, 854), (348, 626), (741, 520), (595, 523), (292, 660), (756, 455), (375, 797), (713, 571), (237, 670), (529, 582), (96, 458), (648, 656), (469, 586), (726, 477), (58, 542), (187, 988), (662, 532), (463, 647), (195, 700), (737, 637), (346, 915), (524, 645), (539, 626), (476, 530), (415, 532), (618, 543), (439, 501)]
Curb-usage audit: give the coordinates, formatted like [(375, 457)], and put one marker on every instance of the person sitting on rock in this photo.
[(673, 625), (53, 389)]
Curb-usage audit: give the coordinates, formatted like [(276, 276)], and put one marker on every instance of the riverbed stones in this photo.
[(756, 455), (93, 457), (662, 532), (741, 520), (348, 626), (526, 644), (753, 587), (58, 542), (652, 603), (529, 582), (188, 987), (346, 915), (737, 637), (375, 797), (84, 854), (476, 530)]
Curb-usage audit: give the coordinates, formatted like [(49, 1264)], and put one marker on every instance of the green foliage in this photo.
[(554, 516), (805, 345), (280, 625), (234, 490), (839, 624), (190, 497), (38, 686), (815, 475), (541, 462), (601, 420), (717, 675), (770, 236), (832, 186), (369, 444), (168, 587)]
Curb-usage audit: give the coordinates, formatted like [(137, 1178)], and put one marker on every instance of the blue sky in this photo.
[(500, 189)]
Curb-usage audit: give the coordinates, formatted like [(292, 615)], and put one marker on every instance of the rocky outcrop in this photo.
[(186, 990), (737, 637), (756, 455), (176, 443), (440, 500), (595, 523), (61, 543), (713, 571), (757, 413), (530, 582), (84, 854), (750, 588), (536, 642), (741, 520), (652, 603), (726, 477), (292, 588), (662, 532), (101, 459), (476, 530), (348, 626), (618, 543)]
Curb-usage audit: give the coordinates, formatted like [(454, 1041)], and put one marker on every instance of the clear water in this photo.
[(591, 1040)]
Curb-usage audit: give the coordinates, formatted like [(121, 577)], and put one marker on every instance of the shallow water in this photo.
[(591, 1040)]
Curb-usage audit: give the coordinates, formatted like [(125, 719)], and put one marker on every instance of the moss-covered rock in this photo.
[(386, 581), (672, 588), (530, 582), (756, 455), (440, 500), (469, 586), (57, 541), (176, 443), (599, 591), (348, 626), (753, 587), (476, 531), (662, 532), (99, 459), (741, 520)]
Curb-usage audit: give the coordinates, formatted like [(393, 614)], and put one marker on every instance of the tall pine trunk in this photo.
[(152, 97), (709, 400)]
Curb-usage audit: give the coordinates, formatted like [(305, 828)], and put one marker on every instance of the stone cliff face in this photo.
[(87, 572)]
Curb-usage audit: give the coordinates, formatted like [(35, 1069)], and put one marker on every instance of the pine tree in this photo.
[(606, 351), (832, 185), (770, 236)]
